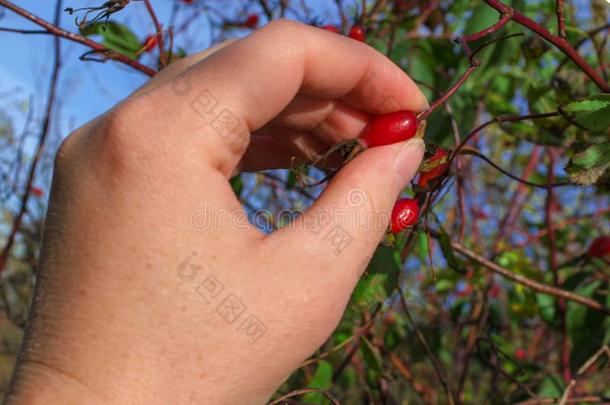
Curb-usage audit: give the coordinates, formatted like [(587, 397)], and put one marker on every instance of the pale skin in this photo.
[(113, 320)]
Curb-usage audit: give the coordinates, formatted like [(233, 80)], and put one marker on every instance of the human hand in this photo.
[(132, 300)]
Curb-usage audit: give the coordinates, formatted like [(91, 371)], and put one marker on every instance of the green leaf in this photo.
[(551, 387), (424, 248), (591, 113), (585, 325), (452, 261), (483, 17), (115, 36), (370, 356), (588, 166), (322, 379), (237, 184)]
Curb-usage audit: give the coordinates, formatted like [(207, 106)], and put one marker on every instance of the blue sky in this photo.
[(87, 89)]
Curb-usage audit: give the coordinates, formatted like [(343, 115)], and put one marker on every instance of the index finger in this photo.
[(254, 79)]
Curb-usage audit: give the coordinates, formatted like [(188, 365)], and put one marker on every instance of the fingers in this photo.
[(243, 86), (345, 225)]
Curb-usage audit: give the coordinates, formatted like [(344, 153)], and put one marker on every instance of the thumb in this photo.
[(351, 216)]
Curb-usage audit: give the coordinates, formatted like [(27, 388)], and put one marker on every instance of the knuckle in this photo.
[(285, 26)]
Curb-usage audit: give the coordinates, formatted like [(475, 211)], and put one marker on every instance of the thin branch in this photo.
[(97, 47), (561, 21), (266, 9), (438, 368), (547, 186), (27, 32), (534, 285), (44, 132), (499, 119), (160, 37), (560, 43), (296, 393)]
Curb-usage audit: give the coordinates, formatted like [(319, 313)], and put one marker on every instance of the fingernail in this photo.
[(408, 159)]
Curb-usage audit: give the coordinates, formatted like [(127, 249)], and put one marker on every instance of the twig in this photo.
[(534, 285), (548, 186), (564, 361), (266, 9), (44, 132), (474, 64), (160, 37), (97, 47), (560, 43), (27, 32), (438, 368), (561, 21), (296, 393), (499, 119)]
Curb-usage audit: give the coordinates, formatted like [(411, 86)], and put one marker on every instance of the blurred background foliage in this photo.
[(435, 319)]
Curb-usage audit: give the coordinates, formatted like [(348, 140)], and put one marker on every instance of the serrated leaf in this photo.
[(588, 166), (591, 113)]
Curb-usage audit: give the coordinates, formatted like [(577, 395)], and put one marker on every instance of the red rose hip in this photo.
[(390, 128), (600, 247), (251, 21), (149, 43), (331, 28), (357, 33), (404, 214), (433, 167)]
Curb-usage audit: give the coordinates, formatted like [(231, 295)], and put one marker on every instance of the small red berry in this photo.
[(251, 21), (520, 354), (404, 214), (600, 247), (390, 128), (494, 291), (187, 1), (357, 33), (150, 43), (434, 167), (36, 191), (332, 28)]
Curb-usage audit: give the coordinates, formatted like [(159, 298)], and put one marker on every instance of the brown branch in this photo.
[(296, 393), (438, 368), (548, 186), (499, 119), (534, 285), (579, 400), (159, 29), (560, 43), (561, 21), (266, 9), (97, 47), (515, 206), (44, 132)]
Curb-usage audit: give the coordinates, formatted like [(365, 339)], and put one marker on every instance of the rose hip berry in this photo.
[(600, 247), (390, 128), (357, 33), (251, 21), (520, 354), (150, 43), (434, 167), (404, 214), (332, 28)]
